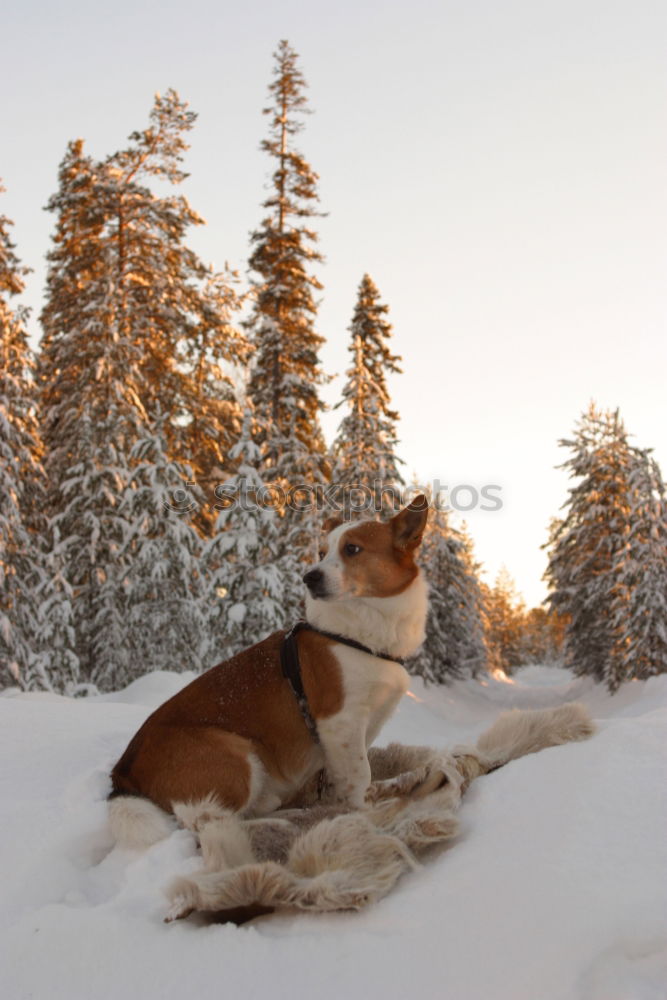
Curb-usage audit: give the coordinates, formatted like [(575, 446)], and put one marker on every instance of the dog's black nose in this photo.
[(314, 580)]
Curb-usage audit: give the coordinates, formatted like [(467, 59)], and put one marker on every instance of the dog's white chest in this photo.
[(372, 689)]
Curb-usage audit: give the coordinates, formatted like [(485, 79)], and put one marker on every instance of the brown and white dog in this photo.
[(235, 738)]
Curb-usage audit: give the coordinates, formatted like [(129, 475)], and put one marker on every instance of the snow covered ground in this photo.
[(555, 890)]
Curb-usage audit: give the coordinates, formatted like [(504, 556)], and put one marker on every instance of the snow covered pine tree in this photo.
[(21, 482), (364, 449), (91, 413), (639, 605), (608, 559), (134, 325), (286, 372), (454, 644)]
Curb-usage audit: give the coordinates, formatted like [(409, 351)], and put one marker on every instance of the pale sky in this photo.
[(497, 167)]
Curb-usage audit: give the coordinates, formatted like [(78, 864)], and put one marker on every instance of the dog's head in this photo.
[(368, 558)]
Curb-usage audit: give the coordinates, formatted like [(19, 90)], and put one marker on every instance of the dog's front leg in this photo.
[(344, 745)]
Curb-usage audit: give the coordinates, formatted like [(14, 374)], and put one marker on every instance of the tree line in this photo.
[(158, 451)]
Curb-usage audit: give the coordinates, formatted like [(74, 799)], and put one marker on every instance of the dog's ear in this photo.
[(409, 524), (331, 522)]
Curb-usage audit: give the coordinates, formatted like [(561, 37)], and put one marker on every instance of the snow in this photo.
[(555, 889)]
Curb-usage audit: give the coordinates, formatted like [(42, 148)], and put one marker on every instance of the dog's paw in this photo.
[(411, 784), (178, 910)]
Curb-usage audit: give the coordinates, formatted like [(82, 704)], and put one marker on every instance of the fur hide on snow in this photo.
[(321, 856)]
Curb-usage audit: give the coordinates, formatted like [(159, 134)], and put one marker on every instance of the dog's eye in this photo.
[(321, 554), (352, 550)]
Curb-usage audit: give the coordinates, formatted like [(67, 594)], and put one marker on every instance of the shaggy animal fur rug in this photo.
[(321, 856)]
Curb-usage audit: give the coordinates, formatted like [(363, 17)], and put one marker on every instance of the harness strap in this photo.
[(346, 641), (291, 667), (289, 661)]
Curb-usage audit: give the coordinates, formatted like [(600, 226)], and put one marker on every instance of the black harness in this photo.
[(289, 661)]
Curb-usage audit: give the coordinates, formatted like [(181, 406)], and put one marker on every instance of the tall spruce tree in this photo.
[(583, 544), (134, 325), (608, 557), (638, 617), (364, 449), (91, 413), (454, 645), (286, 372), (21, 482)]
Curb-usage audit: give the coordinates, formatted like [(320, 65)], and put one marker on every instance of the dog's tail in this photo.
[(517, 733), (137, 822)]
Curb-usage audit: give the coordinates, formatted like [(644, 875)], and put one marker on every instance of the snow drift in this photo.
[(555, 888)]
